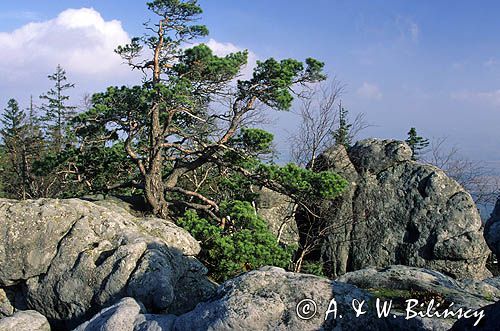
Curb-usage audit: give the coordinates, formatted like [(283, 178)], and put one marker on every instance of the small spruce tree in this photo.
[(14, 133), (57, 112), (341, 135), (416, 143)]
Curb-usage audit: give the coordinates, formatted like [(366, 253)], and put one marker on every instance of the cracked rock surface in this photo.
[(492, 230), (70, 258), (264, 299), (398, 211), (267, 299), (28, 320), (469, 294)]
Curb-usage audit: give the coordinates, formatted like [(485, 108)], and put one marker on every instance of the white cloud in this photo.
[(78, 39), (369, 91), (491, 98), (83, 43), (222, 49)]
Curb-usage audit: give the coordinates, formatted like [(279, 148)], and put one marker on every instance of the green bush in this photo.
[(314, 268), (243, 243), (304, 183)]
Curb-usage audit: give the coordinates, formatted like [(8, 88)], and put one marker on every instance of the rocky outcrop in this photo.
[(397, 211), (279, 212), (492, 230), (265, 299), (406, 282), (400, 283), (28, 320), (127, 315), (272, 299), (73, 257)]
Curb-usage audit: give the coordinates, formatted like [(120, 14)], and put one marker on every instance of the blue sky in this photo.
[(434, 65)]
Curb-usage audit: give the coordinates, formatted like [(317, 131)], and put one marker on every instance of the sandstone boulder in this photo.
[(127, 315), (28, 320), (279, 212), (492, 230), (73, 257), (397, 211), (267, 299), (403, 282)]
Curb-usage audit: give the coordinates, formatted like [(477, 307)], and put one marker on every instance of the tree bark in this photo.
[(154, 188), (155, 195)]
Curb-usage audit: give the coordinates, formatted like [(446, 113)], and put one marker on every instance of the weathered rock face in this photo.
[(279, 212), (267, 299), (127, 315), (492, 230), (421, 283), (259, 300), (400, 283), (28, 320), (73, 257), (397, 211)]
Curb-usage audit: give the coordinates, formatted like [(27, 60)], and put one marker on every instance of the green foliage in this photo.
[(4, 169), (304, 183), (341, 135), (272, 80), (416, 143), (177, 130), (313, 267), (244, 243), (199, 64), (12, 120), (104, 121), (94, 169), (57, 111), (176, 16), (180, 12), (253, 141), (14, 176), (235, 186)]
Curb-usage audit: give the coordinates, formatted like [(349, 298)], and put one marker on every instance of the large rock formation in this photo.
[(127, 315), (73, 257), (397, 211), (405, 282), (492, 230), (272, 299), (28, 320), (279, 212), (265, 299)]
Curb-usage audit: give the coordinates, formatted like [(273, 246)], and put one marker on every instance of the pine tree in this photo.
[(416, 143), (14, 133), (57, 111), (34, 128), (36, 150), (341, 135)]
